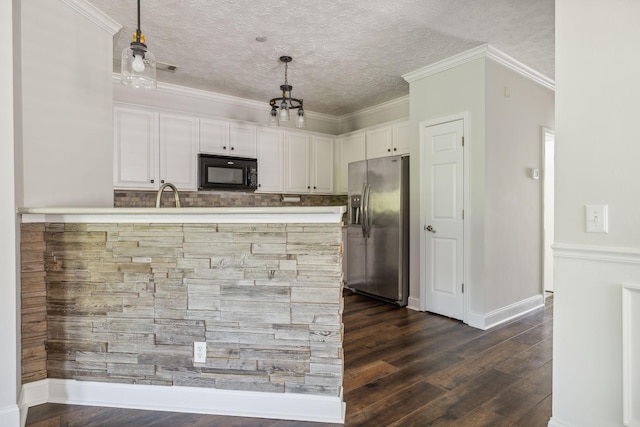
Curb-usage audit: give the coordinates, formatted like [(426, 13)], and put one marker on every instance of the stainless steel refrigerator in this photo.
[(378, 228)]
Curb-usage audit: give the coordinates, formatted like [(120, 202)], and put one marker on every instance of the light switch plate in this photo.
[(596, 218)]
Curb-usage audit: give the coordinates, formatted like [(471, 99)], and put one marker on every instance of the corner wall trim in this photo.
[(286, 406), (506, 313)]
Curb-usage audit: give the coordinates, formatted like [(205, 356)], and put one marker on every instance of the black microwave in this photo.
[(227, 173)]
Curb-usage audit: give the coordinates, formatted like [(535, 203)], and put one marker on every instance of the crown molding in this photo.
[(520, 68), (375, 109), (234, 101), (484, 51), (94, 15)]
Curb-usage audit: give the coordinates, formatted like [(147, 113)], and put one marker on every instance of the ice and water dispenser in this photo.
[(355, 216)]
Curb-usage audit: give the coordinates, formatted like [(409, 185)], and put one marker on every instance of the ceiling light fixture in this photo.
[(138, 67), (285, 103)]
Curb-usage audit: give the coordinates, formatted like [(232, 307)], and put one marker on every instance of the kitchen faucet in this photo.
[(175, 194)]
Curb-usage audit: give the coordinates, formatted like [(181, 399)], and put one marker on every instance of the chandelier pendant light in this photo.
[(282, 106), (138, 68)]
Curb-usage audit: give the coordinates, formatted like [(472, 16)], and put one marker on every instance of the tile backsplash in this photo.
[(147, 199)]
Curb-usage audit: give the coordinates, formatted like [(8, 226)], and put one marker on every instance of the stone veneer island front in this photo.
[(113, 300)]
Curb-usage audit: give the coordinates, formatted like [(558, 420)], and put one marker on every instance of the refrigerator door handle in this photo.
[(363, 213), (365, 220)]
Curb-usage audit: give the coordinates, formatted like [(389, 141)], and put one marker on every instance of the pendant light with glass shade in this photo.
[(138, 67), (281, 106)]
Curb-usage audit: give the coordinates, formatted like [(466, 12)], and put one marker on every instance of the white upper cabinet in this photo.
[(388, 141), (308, 166), (227, 139), (270, 160), (151, 149), (214, 137), (242, 140), (135, 149), (296, 163), (179, 151), (321, 173), (379, 143), (401, 138), (351, 149)]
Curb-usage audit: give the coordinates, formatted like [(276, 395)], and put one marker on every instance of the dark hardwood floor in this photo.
[(403, 368)]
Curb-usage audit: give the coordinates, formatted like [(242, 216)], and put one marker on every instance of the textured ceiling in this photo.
[(347, 54)]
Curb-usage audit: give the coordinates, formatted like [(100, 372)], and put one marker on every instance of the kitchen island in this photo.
[(128, 291)]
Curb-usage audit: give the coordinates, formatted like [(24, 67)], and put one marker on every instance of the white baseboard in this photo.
[(504, 314), (554, 422), (413, 303), (10, 416), (285, 406)]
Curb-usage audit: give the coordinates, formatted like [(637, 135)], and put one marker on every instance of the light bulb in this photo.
[(284, 112), (137, 64), (300, 120)]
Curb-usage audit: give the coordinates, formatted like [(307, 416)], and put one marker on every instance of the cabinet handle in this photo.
[(224, 147), (232, 148), (314, 187), (389, 150), (153, 180), (395, 149), (162, 181), (259, 185), (308, 187)]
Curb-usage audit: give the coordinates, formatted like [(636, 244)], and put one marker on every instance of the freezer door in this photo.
[(356, 258), (384, 217), (357, 253)]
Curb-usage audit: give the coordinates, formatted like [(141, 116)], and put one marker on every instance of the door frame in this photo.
[(464, 116), (547, 251)]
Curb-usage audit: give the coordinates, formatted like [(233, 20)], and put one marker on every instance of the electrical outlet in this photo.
[(199, 352)]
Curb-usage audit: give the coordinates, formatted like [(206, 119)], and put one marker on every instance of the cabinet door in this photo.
[(135, 149), (296, 163), (351, 150), (379, 143), (321, 165), (242, 141), (214, 136), (179, 151), (401, 138), (270, 160)]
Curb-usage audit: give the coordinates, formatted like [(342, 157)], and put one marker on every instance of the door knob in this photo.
[(429, 228)]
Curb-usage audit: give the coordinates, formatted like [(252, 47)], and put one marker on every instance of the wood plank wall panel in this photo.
[(33, 303), (125, 302)]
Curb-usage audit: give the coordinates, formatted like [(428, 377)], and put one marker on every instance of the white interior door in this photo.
[(442, 212)]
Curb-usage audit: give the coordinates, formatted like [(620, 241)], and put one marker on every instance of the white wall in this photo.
[(513, 200), (503, 216), (199, 102), (9, 350), (457, 90), (67, 107), (597, 152), (396, 109)]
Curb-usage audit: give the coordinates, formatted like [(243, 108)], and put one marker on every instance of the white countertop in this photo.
[(277, 215)]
